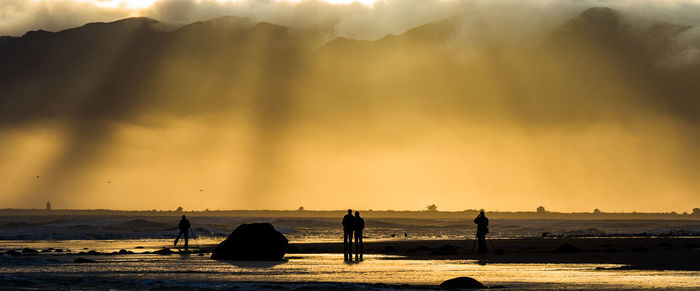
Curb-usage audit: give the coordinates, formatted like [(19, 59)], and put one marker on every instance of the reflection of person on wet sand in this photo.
[(184, 227), (359, 226), (482, 228), (348, 228)]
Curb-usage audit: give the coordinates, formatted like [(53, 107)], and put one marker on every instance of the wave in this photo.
[(159, 227)]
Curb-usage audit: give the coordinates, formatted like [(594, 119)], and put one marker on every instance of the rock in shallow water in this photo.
[(83, 260), (566, 248), (462, 282), (163, 251), (252, 242)]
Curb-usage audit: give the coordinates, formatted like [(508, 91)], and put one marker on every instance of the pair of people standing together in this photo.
[(353, 226)]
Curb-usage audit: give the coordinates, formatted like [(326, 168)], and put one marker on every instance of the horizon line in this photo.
[(344, 210)]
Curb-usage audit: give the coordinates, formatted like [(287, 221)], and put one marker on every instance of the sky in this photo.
[(365, 19), (391, 150)]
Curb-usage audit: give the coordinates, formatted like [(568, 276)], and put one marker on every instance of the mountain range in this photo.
[(601, 64)]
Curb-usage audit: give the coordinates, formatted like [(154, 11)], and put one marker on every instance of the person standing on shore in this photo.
[(482, 228), (348, 228), (359, 226), (184, 227)]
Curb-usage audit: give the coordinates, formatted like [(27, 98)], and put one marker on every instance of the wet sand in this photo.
[(603, 263), (638, 253)]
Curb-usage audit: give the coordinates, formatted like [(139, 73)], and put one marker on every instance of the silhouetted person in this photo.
[(184, 227), (482, 228), (359, 226), (348, 228)]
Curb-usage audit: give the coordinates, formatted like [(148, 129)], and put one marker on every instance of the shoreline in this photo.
[(604, 257), (635, 253), (681, 254)]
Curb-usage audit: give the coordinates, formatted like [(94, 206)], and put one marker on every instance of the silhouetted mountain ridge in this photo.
[(608, 28), (120, 70)]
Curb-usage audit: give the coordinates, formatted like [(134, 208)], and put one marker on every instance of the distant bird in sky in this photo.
[(37, 177), (201, 190), (109, 182)]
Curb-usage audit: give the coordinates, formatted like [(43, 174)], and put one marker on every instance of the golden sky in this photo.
[(463, 128)]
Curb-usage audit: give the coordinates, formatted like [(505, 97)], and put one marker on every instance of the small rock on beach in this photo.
[(463, 283)]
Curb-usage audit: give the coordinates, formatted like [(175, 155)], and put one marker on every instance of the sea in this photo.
[(319, 229), (50, 269)]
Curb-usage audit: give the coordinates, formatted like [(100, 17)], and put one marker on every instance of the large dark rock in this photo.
[(462, 283), (252, 242), (566, 248)]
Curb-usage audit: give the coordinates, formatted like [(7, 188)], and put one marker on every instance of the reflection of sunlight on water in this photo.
[(332, 268), (105, 245)]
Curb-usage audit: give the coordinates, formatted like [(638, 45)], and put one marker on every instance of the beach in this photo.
[(634, 253), (533, 264), (94, 251)]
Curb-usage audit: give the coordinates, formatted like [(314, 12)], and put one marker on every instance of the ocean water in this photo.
[(106, 234), (86, 227), (320, 271)]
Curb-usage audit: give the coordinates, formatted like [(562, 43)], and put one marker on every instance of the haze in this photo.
[(501, 105)]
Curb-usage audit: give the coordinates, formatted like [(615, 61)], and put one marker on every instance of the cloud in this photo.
[(503, 21), (353, 20), (686, 50), (19, 16)]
